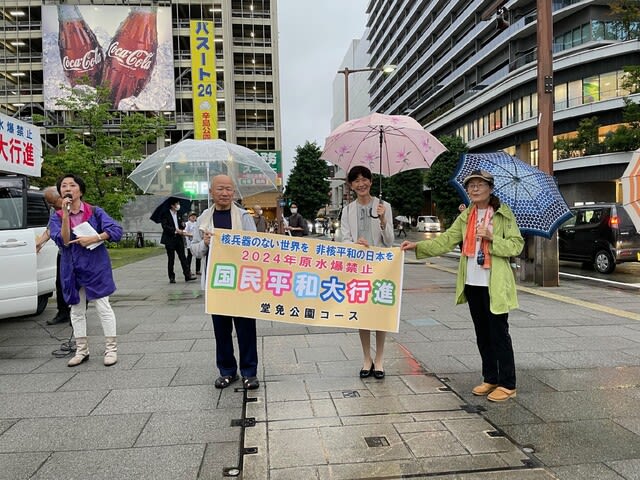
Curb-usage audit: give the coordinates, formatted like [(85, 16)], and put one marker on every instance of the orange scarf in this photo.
[(469, 243)]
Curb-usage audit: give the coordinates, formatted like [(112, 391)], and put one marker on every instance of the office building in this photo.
[(244, 82), (468, 68)]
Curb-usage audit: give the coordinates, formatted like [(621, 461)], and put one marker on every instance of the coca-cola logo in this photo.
[(87, 62), (134, 59)]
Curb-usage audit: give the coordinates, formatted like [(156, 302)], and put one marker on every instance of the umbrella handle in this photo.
[(381, 133)]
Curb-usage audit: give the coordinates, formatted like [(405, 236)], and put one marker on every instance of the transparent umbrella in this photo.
[(187, 167)]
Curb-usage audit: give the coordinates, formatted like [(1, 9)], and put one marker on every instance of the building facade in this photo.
[(468, 68), (245, 88)]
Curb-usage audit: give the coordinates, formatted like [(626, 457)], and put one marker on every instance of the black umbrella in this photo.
[(165, 205)]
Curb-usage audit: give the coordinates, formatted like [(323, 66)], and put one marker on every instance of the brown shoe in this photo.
[(484, 389), (501, 394)]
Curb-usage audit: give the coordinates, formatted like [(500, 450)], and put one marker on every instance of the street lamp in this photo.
[(346, 71)]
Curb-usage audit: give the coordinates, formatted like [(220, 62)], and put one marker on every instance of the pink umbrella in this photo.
[(386, 144), (631, 189)]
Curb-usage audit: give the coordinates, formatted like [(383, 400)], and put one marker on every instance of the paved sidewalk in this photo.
[(156, 414)]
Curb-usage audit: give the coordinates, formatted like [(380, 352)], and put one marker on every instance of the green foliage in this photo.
[(623, 139), (308, 184), (631, 79), (438, 176), (102, 157), (586, 142), (404, 191), (628, 11), (587, 139)]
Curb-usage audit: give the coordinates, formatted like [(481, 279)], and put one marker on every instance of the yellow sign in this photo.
[(203, 79), (304, 280)]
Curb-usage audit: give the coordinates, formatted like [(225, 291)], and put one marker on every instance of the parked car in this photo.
[(601, 235), (428, 224), (29, 278)]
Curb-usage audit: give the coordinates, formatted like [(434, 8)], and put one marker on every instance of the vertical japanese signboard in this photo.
[(20, 147), (304, 280), (203, 78)]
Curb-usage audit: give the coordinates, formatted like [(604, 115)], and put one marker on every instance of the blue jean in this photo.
[(247, 345)]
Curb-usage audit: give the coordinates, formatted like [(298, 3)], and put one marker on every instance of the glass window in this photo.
[(492, 121), (586, 33), (621, 78), (560, 96), (516, 111), (576, 36), (597, 30), (481, 130), (567, 40), (526, 107), (591, 89), (504, 117), (575, 93), (608, 84), (534, 104)]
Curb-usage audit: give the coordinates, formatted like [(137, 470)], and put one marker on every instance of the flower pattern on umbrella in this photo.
[(386, 144), (532, 194)]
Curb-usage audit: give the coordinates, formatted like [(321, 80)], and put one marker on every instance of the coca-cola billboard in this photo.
[(127, 50)]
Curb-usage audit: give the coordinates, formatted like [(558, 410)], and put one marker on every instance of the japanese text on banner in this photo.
[(20, 147), (304, 280)]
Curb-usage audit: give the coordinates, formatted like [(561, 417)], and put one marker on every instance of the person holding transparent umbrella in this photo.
[(367, 221), (490, 236)]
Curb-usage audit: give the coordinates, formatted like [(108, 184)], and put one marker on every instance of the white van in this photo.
[(28, 278)]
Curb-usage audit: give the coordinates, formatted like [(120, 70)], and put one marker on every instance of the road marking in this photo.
[(559, 298)]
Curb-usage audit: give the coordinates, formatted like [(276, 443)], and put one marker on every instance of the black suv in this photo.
[(601, 234)]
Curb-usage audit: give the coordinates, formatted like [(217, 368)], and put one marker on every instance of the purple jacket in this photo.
[(81, 267)]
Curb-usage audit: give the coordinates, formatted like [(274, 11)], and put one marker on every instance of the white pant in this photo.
[(105, 312)]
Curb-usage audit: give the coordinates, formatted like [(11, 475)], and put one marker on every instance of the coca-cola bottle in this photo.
[(80, 52), (131, 55)]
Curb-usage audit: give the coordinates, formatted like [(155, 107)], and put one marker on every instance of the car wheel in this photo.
[(603, 262), (42, 303)]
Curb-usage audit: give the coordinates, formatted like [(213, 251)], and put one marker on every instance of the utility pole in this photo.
[(546, 264)]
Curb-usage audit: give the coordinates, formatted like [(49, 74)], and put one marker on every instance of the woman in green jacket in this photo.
[(489, 235)]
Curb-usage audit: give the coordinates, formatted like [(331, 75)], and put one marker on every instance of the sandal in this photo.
[(225, 381), (250, 383)]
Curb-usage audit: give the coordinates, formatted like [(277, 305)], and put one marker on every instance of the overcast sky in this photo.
[(314, 38)]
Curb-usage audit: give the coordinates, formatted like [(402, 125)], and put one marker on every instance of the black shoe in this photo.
[(366, 373), (192, 277), (250, 383), (379, 374), (225, 380), (172, 280), (59, 318)]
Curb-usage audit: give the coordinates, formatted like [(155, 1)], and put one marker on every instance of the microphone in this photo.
[(68, 195)]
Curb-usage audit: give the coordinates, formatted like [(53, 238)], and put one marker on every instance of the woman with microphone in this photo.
[(80, 229)]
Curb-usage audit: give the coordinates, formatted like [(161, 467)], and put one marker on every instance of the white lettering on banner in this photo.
[(87, 62), (130, 58)]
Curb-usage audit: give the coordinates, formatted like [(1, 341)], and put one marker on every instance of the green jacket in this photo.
[(507, 242)]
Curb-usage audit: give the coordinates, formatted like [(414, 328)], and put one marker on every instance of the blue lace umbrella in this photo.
[(532, 194)]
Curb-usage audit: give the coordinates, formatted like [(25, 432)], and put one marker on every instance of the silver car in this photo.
[(428, 224)]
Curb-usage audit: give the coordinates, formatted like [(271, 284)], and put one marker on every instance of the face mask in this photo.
[(259, 212), (178, 208), (294, 211)]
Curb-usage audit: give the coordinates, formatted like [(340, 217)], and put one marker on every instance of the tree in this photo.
[(308, 184), (437, 178), (629, 13), (102, 157), (404, 191)]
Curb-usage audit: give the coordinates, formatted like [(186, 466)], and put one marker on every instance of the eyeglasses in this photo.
[(480, 185)]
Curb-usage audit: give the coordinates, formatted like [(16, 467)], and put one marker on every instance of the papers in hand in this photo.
[(85, 229)]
